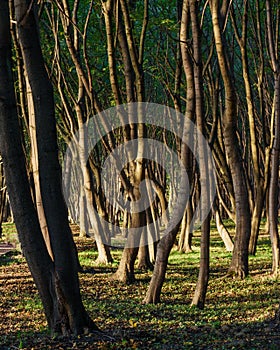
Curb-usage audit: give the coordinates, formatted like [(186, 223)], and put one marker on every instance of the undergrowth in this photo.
[(238, 313)]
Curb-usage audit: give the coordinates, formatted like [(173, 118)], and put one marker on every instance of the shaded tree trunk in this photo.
[(56, 281)]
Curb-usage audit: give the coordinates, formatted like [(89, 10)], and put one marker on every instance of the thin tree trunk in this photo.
[(273, 203), (185, 239), (204, 163), (223, 232)]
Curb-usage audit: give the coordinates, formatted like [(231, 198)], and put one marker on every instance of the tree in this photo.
[(57, 281), (274, 177), (239, 265)]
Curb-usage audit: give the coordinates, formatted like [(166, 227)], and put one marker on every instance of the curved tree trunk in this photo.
[(239, 264), (165, 245)]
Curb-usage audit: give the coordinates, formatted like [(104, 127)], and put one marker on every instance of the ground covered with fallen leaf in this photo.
[(238, 313)]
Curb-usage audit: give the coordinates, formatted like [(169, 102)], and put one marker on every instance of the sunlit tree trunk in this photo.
[(166, 243), (35, 167), (239, 264), (204, 164), (185, 240), (258, 181), (274, 168)]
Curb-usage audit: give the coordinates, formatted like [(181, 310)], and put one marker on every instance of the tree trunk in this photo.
[(223, 232), (125, 271), (3, 195), (163, 250), (204, 163), (273, 202), (144, 262), (35, 167), (57, 281), (239, 264), (258, 182), (185, 240)]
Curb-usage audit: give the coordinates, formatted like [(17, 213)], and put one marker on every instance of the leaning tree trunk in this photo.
[(223, 232), (57, 282), (239, 264), (166, 243)]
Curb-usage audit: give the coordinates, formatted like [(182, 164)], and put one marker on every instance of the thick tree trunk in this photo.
[(3, 195), (258, 183), (57, 282), (125, 271)]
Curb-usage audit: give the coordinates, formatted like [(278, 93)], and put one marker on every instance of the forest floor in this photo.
[(238, 313)]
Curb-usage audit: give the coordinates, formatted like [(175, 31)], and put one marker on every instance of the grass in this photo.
[(237, 314)]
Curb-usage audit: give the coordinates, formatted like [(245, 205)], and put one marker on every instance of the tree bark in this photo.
[(57, 281), (273, 203), (185, 240), (204, 163), (223, 232), (239, 264), (165, 245)]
